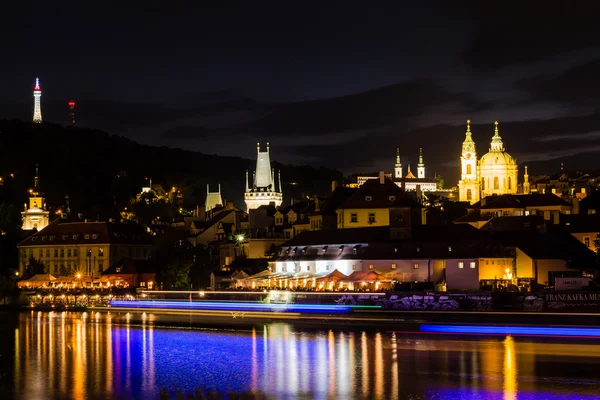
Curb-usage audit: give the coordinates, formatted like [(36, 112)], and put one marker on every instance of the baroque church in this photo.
[(495, 173)]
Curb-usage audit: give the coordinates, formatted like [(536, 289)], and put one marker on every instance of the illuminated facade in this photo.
[(263, 190), (213, 199), (496, 172), (37, 107), (36, 216)]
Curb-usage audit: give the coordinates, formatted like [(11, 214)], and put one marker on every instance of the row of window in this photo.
[(472, 264), (354, 218), (70, 252)]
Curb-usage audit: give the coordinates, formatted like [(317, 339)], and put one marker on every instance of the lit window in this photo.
[(449, 248), (353, 267), (392, 198), (368, 198), (416, 266), (472, 264), (393, 266), (371, 266), (586, 241), (461, 264)]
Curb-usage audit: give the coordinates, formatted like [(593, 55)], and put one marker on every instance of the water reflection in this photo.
[(72, 355)]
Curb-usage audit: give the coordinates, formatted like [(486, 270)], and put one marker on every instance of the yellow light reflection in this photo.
[(510, 369)]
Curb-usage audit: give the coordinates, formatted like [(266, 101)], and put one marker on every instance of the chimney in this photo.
[(381, 177), (333, 186)]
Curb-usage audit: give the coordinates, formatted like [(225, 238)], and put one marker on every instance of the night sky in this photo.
[(330, 83)]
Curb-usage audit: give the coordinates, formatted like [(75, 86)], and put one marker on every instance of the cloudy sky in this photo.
[(333, 83)]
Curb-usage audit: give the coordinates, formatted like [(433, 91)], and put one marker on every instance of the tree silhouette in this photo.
[(33, 267)]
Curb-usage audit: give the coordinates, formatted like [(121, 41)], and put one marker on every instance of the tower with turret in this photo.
[(36, 216), (37, 106), (398, 165), (421, 166), (468, 186), (264, 190)]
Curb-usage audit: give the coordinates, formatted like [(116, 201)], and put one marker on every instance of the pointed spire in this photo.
[(36, 180), (258, 147), (280, 191), (272, 178), (398, 157), (420, 164), (37, 84), (468, 145), (496, 144), (247, 187), (267, 147), (219, 188)]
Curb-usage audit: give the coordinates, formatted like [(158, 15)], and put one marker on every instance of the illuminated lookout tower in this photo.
[(37, 108), (72, 112), (263, 190)]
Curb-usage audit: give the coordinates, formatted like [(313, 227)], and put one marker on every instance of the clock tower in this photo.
[(468, 186)]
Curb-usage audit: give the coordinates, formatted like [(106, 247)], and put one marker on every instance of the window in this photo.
[(469, 194), (371, 218), (449, 248), (586, 241), (55, 252), (100, 266), (393, 266), (354, 217), (68, 252), (62, 252), (47, 253), (353, 267), (472, 264), (509, 183), (89, 253), (461, 264), (370, 266), (416, 266), (469, 169), (368, 198), (483, 184), (496, 183)]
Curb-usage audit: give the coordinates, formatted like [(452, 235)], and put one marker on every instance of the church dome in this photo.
[(497, 156)]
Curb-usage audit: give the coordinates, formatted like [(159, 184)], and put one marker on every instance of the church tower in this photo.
[(37, 107), (468, 186), (398, 166), (263, 190), (36, 216), (421, 166), (526, 184), (213, 199), (498, 170)]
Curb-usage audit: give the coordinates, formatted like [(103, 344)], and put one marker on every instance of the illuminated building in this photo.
[(408, 182), (72, 112), (495, 173), (36, 216), (213, 199), (263, 190), (37, 107), (67, 247)]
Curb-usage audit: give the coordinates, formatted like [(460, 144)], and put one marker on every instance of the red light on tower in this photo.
[(72, 113)]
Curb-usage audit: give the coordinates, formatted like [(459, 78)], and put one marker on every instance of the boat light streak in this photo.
[(206, 305), (512, 330), (276, 292)]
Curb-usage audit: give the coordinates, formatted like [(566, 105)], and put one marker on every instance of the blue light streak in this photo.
[(235, 306), (513, 330)]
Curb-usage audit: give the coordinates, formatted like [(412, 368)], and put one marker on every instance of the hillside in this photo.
[(98, 170)]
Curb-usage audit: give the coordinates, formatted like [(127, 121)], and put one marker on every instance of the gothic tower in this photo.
[(398, 165), (468, 186), (37, 108), (263, 190), (421, 166)]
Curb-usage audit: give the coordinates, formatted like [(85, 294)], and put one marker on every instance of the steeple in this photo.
[(398, 166), (247, 187), (279, 188), (36, 180), (468, 145), (496, 144), (264, 189), (421, 165), (526, 184)]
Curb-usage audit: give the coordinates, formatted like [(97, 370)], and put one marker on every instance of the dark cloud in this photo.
[(508, 34), (577, 86)]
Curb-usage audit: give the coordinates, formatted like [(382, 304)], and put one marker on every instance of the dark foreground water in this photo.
[(97, 355)]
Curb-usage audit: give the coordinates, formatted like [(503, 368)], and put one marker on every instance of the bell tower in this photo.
[(468, 186)]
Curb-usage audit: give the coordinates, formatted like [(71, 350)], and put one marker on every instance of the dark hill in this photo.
[(98, 170)]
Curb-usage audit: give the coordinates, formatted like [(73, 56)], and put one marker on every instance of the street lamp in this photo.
[(240, 242)]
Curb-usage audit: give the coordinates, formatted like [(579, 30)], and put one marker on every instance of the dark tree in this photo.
[(33, 267)]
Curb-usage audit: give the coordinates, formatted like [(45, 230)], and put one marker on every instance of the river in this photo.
[(104, 356)]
